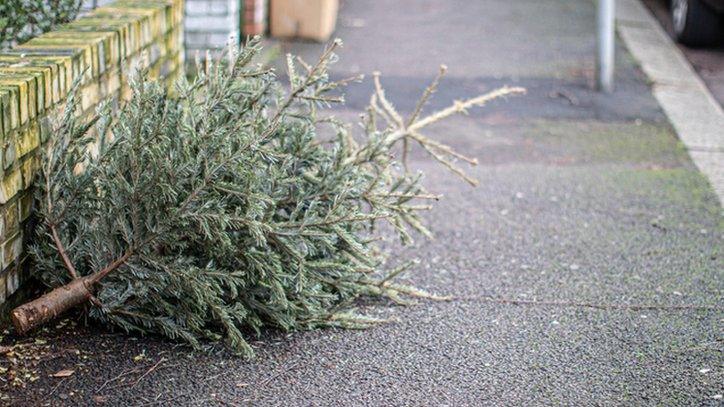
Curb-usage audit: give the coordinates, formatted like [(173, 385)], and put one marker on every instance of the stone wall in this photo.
[(103, 47)]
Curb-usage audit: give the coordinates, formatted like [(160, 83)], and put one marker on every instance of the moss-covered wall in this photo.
[(104, 46)]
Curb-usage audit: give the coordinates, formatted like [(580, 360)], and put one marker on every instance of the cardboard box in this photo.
[(310, 19)]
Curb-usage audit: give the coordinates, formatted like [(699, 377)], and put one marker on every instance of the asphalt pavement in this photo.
[(583, 198)]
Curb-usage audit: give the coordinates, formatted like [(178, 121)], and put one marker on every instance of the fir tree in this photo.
[(220, 210)]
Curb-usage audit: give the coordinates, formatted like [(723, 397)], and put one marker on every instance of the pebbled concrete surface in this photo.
[(583, 197)]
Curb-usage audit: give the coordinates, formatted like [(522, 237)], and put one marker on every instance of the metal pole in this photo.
[(606, 42)]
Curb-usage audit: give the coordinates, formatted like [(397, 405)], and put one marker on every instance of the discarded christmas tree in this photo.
[(220, 210)]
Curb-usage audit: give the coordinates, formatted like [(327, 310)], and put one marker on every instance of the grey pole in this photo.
[(606, 42)]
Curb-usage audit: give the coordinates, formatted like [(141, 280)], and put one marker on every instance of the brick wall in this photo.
[(89, 5), (103, 46), (210, 23), (254, 19)]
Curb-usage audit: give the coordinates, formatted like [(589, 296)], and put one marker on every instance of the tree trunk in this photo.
[(52, 304)]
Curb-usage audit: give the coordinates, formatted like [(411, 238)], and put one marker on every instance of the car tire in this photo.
[(695, 24)]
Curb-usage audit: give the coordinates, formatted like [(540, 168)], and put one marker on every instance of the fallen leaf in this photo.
[(63, 373)]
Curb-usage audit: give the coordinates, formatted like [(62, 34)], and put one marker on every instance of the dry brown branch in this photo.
[(149, 371), (399, 129)]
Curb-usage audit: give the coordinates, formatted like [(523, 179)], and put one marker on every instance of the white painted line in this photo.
[(692, 110)]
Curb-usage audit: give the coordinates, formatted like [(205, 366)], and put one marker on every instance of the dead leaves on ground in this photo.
[(63, 373)]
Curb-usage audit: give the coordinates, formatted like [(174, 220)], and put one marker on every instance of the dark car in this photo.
[(698, 22)]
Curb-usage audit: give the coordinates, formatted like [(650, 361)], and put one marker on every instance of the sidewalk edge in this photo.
[(689, 105)]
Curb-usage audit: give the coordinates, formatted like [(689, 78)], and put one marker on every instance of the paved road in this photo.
[(583, 197), (708, 62)]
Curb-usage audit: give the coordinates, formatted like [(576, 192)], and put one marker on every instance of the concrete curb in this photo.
[(692, 110)]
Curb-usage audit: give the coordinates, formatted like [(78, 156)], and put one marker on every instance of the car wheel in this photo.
[(695, 24)]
